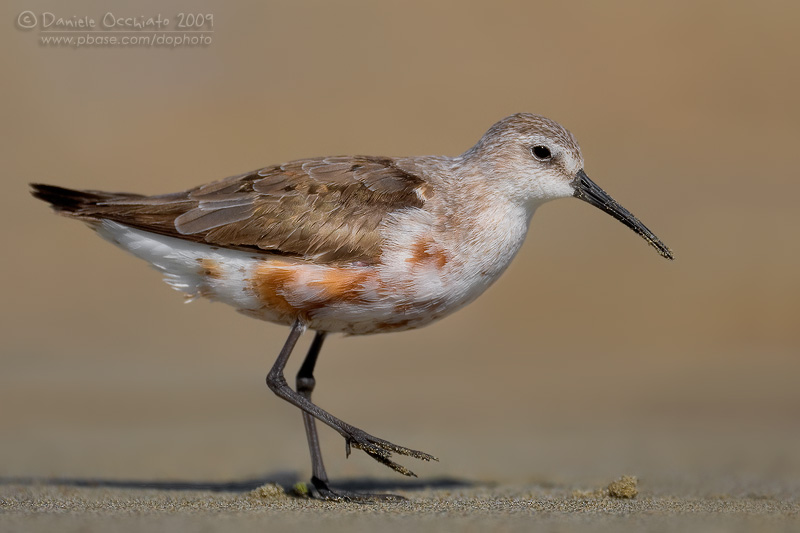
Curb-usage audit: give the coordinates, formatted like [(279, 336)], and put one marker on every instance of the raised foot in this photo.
[(321, 491), (381, 450)]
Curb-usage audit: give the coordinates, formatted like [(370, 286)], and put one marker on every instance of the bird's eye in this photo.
[(542, 153)]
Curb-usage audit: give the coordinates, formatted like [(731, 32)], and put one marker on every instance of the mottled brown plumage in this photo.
[(326, 209)]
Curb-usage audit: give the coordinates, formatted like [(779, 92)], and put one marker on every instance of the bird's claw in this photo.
[(381, 450)]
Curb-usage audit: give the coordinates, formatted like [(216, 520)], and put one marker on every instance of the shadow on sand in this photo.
[(286, 480)]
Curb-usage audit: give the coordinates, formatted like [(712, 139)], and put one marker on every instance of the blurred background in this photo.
[(592, 357)]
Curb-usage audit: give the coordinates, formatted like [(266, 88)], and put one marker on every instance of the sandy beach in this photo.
[(268, 507), (545, 475)]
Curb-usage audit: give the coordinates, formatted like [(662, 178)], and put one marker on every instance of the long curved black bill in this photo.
[(588, 191)]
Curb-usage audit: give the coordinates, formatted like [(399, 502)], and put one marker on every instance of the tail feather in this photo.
[(70, 201), (154, 214)]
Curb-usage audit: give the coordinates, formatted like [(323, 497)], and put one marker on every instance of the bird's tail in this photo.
[(69, 201), (155, 214)]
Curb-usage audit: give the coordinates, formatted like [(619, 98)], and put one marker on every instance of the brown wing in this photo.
[(329, 209)]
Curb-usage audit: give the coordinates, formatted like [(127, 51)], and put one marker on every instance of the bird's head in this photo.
[(532, 159)]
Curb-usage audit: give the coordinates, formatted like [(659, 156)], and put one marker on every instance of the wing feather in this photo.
[(327, 209)]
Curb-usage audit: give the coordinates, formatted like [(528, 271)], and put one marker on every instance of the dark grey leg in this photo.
[(305, 386), (378, 449)]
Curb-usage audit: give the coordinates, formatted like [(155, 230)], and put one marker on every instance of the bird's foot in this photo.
[(381, 450), (322, 491)]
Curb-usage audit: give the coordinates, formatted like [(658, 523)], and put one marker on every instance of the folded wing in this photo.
[(327, 209)]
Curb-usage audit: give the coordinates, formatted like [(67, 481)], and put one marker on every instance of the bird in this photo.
[(351, 244)]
